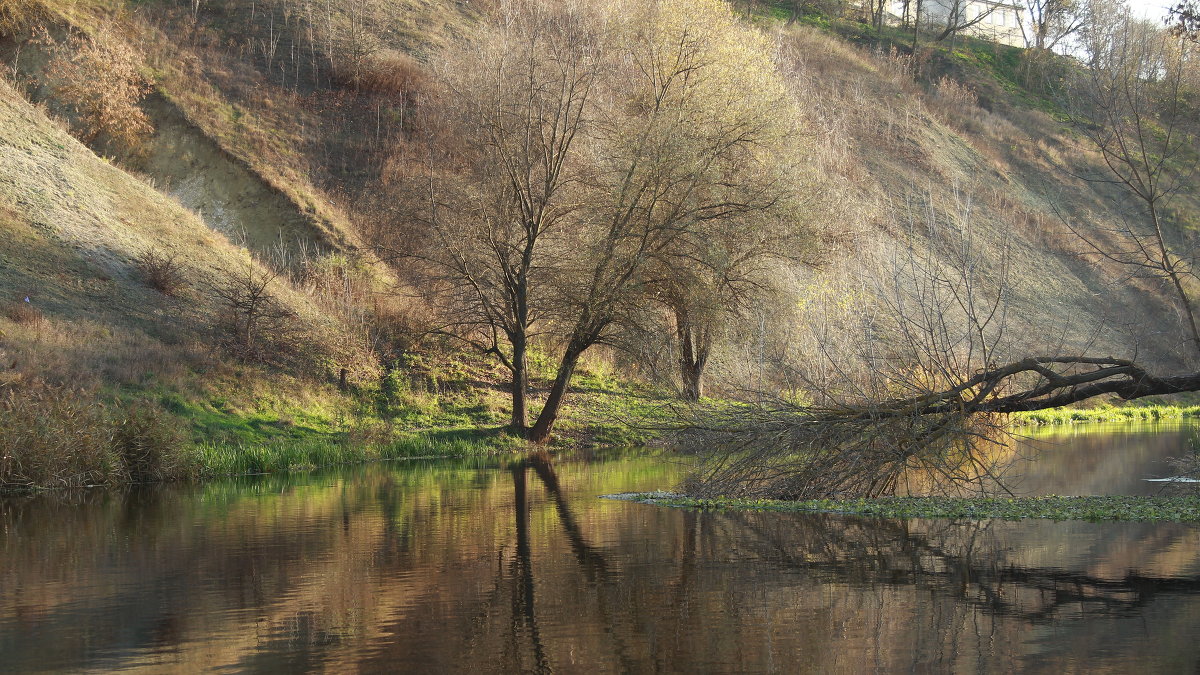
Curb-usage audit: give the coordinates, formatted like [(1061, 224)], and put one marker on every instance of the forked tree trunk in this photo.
[(694, 345)]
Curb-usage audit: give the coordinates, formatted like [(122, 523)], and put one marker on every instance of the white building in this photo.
[(995, 20)]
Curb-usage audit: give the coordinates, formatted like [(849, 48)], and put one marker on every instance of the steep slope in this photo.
[(79, 309), (935, 147)]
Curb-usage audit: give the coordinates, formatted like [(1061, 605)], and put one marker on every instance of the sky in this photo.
[(1155, 10)]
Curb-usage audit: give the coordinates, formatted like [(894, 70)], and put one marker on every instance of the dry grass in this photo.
[(88, 353), (390, 73), (19, 15), (24, 313), (63, 437)]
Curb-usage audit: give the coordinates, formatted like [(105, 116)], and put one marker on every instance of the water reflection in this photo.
[(515, 566), (1100, 459)]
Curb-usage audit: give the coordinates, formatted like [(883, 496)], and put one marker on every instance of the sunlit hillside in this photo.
[(238, 234)]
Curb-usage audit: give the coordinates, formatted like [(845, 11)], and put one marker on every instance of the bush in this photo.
[(161, 271), (99, 78)]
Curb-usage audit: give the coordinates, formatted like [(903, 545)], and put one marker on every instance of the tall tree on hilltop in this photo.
[(1049, 22)]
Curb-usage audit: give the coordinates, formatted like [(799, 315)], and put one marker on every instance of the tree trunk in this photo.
[(693, 384), (540, 431), (520, 385), (916, 26), (693, 354)]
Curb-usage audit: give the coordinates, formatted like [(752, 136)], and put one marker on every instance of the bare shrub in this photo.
[(99, 77), (161, 271), (257, 326)]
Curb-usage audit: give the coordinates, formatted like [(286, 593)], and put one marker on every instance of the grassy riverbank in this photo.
[(1114, 508), (1106, 413), (248, 420)]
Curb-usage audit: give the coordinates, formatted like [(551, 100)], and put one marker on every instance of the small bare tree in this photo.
[(257, 324)]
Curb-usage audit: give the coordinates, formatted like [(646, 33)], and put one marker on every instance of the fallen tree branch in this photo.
[(950, 440)]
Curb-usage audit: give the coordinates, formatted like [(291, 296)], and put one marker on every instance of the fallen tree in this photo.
[(983, 393), (953, 440)]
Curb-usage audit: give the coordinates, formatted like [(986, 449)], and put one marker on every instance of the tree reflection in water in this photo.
[(958, 558), (516, 566)]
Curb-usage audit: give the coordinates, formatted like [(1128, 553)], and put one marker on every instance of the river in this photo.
[(503, 565)]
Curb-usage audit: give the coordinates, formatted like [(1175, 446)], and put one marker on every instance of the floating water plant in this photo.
[(1092, 508)]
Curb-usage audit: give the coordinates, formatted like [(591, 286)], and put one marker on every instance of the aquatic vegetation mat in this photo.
[(1092, 508)]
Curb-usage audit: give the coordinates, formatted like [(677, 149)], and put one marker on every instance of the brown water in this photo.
[(510, 566)]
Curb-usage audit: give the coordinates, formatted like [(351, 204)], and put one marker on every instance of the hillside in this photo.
[(945, 142), (279, 136)]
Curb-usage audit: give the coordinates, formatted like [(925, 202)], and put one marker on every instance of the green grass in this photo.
[(428, 405), (1107, 413), (1116, 508), (306, 455)]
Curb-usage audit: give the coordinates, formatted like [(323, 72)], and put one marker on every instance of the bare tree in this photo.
[(1049, 22), (576, 146), (961, 15), (1134, 104), (503, 177)]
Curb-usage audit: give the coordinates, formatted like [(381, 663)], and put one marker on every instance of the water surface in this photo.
[(508, 565)]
